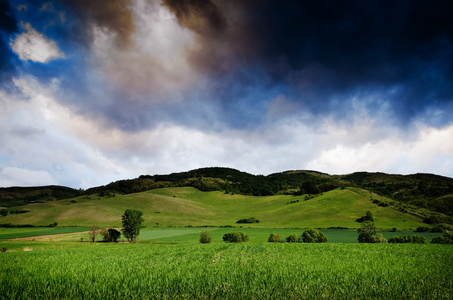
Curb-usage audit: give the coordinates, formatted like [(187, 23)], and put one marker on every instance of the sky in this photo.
[(96, 91)]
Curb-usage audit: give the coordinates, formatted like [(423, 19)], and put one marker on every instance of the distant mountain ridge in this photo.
[(428, 191)]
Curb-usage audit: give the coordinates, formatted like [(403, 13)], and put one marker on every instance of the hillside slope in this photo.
[(187, 206), (425, 191)]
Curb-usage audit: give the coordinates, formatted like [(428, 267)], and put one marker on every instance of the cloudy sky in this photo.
[(97, 91)]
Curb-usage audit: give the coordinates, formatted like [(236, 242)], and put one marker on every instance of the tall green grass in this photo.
[(229, 271)]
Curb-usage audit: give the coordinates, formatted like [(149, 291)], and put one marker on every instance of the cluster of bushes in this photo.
[(309, 236), (414, 239), (447, 238), (5, 212), (249, 220), (235, 237), (380, 203), (427, 229), (291, 202)]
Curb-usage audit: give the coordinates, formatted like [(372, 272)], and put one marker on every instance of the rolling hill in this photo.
[(187, 206), (425, 197)]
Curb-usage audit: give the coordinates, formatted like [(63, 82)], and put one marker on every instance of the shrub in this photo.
[(313, 236), (235, 237), (368, 234), (368, 217), (413, 239), (205, 237), (249, 220), (274, 238), (422, 229), (436, 229), (447, 238), (292, 238)]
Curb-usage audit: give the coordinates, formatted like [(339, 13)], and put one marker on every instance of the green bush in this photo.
[(447, 238), (367, 217), (235, 237), (313, 236), (274, 238), (368, 234), (292, 238), (205, 237), (413, 239), (249, 220)]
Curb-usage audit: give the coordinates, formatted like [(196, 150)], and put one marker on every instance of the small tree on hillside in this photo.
[(132, 223)]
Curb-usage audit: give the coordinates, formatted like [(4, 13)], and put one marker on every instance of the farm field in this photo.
[(73, 270)]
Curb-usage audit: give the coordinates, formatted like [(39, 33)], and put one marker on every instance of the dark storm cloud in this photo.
[(114, 15), (8, 26), (323, 50)]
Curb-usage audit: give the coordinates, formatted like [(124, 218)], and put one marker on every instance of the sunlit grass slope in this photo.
[(186, 206)]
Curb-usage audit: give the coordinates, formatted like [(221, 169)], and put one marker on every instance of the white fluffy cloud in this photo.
[(32, 45)]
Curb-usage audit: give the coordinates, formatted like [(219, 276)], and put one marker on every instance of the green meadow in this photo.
[(225, 271), (186, 206)]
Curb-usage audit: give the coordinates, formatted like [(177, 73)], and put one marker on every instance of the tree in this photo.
[(205, 237), (132, 223), (114, 235), (313, 236), (93, 233), (368, 234)]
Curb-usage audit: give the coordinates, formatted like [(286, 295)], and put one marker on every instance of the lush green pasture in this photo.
[(227, 271), (188, 206), (11, 233)]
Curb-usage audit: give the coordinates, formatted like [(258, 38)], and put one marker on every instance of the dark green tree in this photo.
[(114, 235), (132, 223), (368, 233)]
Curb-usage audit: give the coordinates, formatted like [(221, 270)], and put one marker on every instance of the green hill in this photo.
[(427, 196), (187, 206)]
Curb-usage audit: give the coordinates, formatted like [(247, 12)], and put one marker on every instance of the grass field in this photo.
[(190, 207), (226, 271)]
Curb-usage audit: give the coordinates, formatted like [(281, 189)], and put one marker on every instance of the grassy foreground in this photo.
[(227, 271)]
